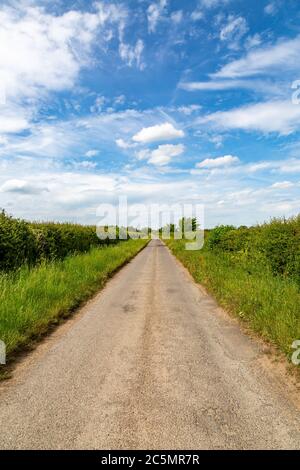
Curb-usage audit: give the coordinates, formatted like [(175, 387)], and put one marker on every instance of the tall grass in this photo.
[(31, 299), (269, 304)]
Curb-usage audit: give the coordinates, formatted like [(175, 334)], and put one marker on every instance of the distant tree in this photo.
[(195, 224), (187, 224)]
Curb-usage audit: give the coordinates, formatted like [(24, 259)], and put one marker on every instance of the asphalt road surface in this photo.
[(150, 363)]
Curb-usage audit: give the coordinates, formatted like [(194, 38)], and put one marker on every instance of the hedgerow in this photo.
[(30, 243), (274, 245)]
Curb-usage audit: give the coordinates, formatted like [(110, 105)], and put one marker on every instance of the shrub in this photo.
[(17, 243), (274, 245), (30, 243), (216, 236)]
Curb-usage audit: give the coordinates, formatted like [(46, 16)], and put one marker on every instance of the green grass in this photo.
[(32, 299), (269, 304)]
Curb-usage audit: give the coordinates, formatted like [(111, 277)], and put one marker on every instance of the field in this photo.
[(253, 273), (32, 298)]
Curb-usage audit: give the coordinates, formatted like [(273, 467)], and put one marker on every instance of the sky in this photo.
[(162, 101)]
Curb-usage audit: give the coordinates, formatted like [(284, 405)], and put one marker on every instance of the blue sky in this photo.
[(162, 101)]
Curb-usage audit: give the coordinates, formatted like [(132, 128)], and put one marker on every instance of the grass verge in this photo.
[(33, 299), (269, 304)]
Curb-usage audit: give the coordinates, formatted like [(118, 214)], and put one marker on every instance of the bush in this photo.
[(274, 245), (216, 236), (30, 243), (17, 243)]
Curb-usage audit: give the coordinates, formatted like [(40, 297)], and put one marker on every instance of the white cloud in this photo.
[(132, 55), (155, 13), (253, 41), (264, 87), (283, 185), (119, 100), (98, 104), (217, 140), (281, 56), (177, 16), (273, 116), (197, 15), (203, 5), (21, 187), (164, 153), (124, 145), (215, 85), (234, 29), (291, 165), (46, 54), (189, 109), (11, 123), (74, 195), (271, 8), (91, 153), (159, 132), (213, 3), (85, 165), (48, 50), (218, 162)]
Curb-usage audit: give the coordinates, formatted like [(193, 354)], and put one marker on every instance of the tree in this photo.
[(195, 225)]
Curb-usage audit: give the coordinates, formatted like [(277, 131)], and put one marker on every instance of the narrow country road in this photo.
[(150, 362)]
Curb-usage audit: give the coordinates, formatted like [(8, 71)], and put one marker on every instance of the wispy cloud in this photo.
[(265, 59), (155, 13), (132, 55), (233, 30), (281, 117)]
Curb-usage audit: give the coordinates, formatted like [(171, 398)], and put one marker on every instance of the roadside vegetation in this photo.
[(30, 243), (254, 273), (47, 270)]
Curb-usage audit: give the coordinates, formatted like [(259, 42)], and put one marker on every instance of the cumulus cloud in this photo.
[(159, 132), (210, 163), (48, 50), (164, 153)]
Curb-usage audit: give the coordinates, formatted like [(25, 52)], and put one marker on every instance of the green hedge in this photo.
[(275, 244), (29, 243)]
